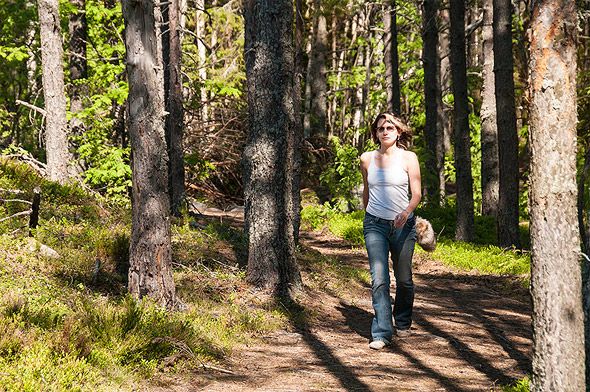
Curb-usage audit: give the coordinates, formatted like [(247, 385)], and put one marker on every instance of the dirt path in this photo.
[(471, 333)]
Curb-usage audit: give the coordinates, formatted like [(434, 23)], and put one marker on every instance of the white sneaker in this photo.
[(403, 333), (377, 344)]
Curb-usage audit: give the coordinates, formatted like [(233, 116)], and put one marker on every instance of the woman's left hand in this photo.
[(401, 219)]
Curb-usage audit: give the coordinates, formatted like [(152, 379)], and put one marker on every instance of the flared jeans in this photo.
[(382, 239)]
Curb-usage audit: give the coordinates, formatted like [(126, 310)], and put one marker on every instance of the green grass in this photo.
[(63, 327), (522, 385), (481, 256)]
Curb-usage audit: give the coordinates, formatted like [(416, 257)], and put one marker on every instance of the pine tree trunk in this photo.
[(78, 62), (316, 76), (433, 133), (465, 224), (391, 58), (508, 233), (202, 57), (150, 253), (558, 329), (489, 131), (268, 159), (445, 75), (172, 53), (56, 125)]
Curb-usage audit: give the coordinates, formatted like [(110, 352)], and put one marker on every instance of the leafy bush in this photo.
[(343, 175)]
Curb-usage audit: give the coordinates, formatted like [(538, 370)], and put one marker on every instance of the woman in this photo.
[(388, 174)]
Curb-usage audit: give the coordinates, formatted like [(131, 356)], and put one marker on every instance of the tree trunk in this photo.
[(584, 221), (391, 58), (489, 131), (202, 57), (268, 156), (465, 224), (558, 329), (433, 103), (172, 53), (316, 84), (508, 234), (78, 62), (150, 252), (445, 75), (298, 130), (56, 125)]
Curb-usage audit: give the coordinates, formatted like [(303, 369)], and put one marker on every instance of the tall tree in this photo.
[(200, 31), (391, 57), (489, 130), (150, 254), (433, 131), (268, 159), (558, 322), (316, 84), (508, 233), (77, 59), (172, 54), (465, 219), (56, 125)]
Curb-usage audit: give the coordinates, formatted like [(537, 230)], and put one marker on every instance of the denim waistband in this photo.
[(376, 219)]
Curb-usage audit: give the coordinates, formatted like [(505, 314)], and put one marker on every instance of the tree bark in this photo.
[(433, 132), (172, 53), (558, 322), (508, 233), (56, 125), (150, 252), (445, 76), (202, 58), (316, 76), (390, 54), (465, 219), (489, 131), (268, 156), (78, 63)]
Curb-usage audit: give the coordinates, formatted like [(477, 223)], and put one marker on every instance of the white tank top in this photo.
[(388, 189)]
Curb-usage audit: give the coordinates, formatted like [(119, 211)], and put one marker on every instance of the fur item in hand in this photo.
[(425, 234)]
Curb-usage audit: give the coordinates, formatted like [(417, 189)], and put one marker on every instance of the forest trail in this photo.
[(470, 333)]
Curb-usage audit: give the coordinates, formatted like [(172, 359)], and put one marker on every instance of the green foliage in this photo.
[(343, 175), (522, 385), (99, 145), (482, 256), (64, 326)]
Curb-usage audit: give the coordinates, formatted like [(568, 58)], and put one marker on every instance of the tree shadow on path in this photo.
[(468, 320)]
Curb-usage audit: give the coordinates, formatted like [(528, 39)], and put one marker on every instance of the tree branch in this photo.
[(32, 107)]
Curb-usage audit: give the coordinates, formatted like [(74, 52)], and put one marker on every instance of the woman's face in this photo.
[(387, 131)]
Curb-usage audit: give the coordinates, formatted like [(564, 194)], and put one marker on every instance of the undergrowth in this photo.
[(481, 256), (67, 323)]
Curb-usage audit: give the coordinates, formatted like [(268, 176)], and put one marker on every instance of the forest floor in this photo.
[(471, 332)]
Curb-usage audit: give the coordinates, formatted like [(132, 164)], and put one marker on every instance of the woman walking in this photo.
[(389, 173)]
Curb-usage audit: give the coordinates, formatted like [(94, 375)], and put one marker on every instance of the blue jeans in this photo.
[(381, 239)]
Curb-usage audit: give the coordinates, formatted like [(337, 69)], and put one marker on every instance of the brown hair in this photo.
[(404, 139)]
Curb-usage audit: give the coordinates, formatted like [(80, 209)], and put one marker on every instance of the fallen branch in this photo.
[(22, 213), (36, 165), (16, 201), (15, 191)]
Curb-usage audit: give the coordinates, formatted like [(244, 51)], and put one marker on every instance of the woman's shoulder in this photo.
[(409, 155), (366, 156)]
